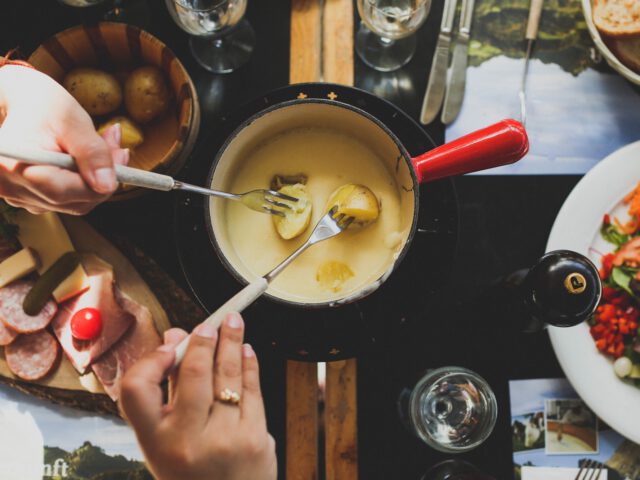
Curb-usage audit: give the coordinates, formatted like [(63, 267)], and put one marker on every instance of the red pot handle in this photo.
[(500, 144)]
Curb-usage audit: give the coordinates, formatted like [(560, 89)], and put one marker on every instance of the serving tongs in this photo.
[(264, 201), (330, 225)]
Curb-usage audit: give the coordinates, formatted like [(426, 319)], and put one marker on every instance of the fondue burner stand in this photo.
[(326, 334)]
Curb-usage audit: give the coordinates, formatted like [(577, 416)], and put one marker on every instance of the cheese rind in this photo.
[(47, 236), (17, 266)]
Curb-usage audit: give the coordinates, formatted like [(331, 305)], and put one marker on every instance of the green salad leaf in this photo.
[(612, 235), (622, 278)]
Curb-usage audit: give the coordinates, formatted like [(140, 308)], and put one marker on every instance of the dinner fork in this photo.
[(590, 465), (330, 225), (264, 201)]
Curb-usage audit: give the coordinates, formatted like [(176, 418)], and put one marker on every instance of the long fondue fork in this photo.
[(264, 201), (329, 226)]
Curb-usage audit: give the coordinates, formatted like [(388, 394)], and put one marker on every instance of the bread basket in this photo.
[(608, 55)]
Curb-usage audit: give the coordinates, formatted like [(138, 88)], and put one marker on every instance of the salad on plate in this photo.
[(614, 327)]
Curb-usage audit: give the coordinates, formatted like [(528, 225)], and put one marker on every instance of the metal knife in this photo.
[(438, 75), (455, 88)]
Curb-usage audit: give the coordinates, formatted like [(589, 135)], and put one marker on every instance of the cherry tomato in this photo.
[(86, 324)]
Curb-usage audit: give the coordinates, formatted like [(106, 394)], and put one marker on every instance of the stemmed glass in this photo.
[(455, 470), (451, 409), (221, 41), (386, 40), (137, 14), (81, 3)]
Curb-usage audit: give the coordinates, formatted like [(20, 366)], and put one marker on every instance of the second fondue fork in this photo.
[(264, 201), (329, 226)]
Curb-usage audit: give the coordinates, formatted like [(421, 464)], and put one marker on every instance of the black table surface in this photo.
[(504, 224)]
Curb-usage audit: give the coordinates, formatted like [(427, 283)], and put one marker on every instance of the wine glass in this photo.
[(221, 41), (81, 3), (455, 470), (451, 409), (386, 40), (136, 12)]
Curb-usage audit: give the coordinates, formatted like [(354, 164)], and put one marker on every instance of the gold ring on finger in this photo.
[(229, 397)]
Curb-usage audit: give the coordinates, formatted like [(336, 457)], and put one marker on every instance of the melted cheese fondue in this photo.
[(329, 159)]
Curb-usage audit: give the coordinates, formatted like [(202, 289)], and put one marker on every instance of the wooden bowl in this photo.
[(118, 48)]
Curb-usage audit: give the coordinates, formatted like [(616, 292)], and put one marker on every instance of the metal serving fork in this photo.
[(592, 466), (264, 201), (329, 226)]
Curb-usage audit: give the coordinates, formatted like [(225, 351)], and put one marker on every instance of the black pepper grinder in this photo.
[(562, 289)]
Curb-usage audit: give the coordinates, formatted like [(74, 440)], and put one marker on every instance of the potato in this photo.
[(146, 94), (98, 92), (297, 218), (132, 136), (355, 201), (332, 275)]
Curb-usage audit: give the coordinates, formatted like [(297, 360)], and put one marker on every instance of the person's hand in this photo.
[(40, 113), (194, 436)]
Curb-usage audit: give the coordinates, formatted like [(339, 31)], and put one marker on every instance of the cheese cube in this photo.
[(47, 236), (17, 266)]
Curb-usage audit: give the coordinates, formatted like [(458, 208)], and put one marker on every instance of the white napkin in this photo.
[(553, 473)]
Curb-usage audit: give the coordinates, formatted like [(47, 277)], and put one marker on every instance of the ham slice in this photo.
[(101, 295), (139, 340)]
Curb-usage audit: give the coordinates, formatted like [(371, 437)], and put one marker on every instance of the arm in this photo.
[(37, 111)]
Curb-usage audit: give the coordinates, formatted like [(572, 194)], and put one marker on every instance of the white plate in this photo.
[(577, 228), (608, 55)]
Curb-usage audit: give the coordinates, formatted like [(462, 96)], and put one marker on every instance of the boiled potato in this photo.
[(146, 94), (332, 275), (297, 218), (279, 181), (132, 136), (98, 92), (355, 201)]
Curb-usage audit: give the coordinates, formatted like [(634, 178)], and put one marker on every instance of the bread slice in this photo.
[(617, 17), (627, 50)]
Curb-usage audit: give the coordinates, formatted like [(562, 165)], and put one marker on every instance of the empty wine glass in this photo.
[(455, 470), (136, 11), (81, 3), (386, 40), (221, 41), (451, 409)]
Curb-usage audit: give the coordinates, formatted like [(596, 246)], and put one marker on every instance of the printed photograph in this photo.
[(528, 431), (571, 428), (567, 80), (41, 440)]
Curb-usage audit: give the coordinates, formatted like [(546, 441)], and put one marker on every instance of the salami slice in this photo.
[(32, 356), (6, 335), (11, 313)]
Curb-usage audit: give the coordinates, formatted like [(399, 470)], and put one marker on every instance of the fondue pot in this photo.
[(502, 143)]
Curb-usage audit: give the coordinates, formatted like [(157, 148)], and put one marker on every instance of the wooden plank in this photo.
[(302, 378), (341, 414), (341, 421), (306, 37), (302, 421), (337, 41)]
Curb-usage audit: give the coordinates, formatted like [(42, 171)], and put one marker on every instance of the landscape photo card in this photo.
[(578, 109), (41, 440)]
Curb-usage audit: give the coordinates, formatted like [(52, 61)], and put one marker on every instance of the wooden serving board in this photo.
[(64, 385)]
